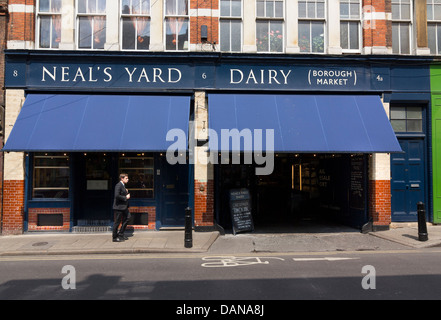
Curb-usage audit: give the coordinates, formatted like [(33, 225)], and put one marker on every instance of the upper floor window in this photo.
[(230, 25), (312, 25), (135, 18), (350, 30), (401, 26), (91, 19), (434, 25), (176, 25), (269, 25), (49, 23)]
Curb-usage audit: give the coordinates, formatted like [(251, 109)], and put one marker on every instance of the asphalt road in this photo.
[(402, 274)]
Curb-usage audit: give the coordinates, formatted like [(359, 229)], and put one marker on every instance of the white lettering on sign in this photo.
[(271, 76), (324, 77)]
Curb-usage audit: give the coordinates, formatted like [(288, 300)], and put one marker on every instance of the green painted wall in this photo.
[(435, 84)]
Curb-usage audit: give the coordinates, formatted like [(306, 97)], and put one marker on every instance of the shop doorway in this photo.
[(320, 189), (174, 194), (94, 204), (408, 180)]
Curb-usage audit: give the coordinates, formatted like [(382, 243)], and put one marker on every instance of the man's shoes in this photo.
[(118, 240), (123, 237)]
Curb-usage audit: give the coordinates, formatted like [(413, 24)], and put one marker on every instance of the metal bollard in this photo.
[(188, 229), (422, 227)]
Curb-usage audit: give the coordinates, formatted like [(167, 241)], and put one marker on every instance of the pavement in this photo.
[(312, 238)]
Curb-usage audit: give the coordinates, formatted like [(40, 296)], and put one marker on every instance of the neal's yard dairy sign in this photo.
[(174, 76)]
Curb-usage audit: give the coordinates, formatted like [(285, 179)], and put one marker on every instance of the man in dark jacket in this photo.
[(121, 208)]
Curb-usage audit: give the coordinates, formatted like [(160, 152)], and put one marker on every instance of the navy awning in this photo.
[(69, 122), (303, 123)]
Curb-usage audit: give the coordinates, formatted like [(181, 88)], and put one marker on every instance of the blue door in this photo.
[(408, 180), (174, 194)]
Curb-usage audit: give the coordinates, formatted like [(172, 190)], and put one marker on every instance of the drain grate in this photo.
[(39, 244), (91, 229)]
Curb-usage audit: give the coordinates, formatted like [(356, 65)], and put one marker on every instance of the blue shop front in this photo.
[(88, 116)]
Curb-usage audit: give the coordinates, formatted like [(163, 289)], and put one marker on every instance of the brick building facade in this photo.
[(368, 34)]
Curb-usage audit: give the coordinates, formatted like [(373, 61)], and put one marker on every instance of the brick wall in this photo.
[(21, 22), (380, 203), (33, 219), (151, 214), (204, 203), (13, 203)]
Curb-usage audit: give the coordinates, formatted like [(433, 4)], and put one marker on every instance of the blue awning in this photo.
[(63, 122), (302, 123)]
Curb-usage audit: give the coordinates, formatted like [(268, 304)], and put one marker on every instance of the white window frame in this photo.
[(269, 20), (431, 21), (78, 15), (349, 20), (38, 24), (134, 15), (400, 21), (312, 20), (186, 47), (230, 18)]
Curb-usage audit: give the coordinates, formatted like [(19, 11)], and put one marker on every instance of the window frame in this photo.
[(92, 15), (436, 23), (269, 20), (128, 170), (230, 18), (134, 15), (400, 22), (406, 118), (49, 155), (311, 21), (50, 14), (348, 21), (186, 17)]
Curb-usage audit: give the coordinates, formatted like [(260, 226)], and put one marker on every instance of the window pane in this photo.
[(44, 6), (236, 36), (344, 10), (260, 8), (129, 34), (353, 35), (320, 10), (82, 6), (398, 125), (143, 36), (269, 9), (405, 11), (225, 8), (170, 7), (304, 36), (414, 113), (56, 31), (414, 126), (302, 9), (438, 37), (45, 27), (225, 35), (262, 36), (56, 6), (311, 10), (398, 113), (236, 8), (85, 33), (344, 35), (279, 9), (276, 36), (395, 11), (99, 32), (182, 7), (318, 40), (355, 11), (431, 33), (176, 33), (404, 38), (437, 12), (395, 38)]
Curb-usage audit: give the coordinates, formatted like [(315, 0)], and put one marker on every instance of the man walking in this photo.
[(121, 208)]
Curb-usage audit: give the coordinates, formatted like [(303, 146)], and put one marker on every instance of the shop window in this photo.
[(312, 26), (135, 20), (269, 25), (176, 25), (140, 169), (231, 25), (50, 175), (434, 26), (350, 30), (406, 118), (91, 19), (49, 23), (401, 26)]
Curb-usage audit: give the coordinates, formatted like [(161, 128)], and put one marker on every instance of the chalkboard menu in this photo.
[(357, 189), (240, 209)]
